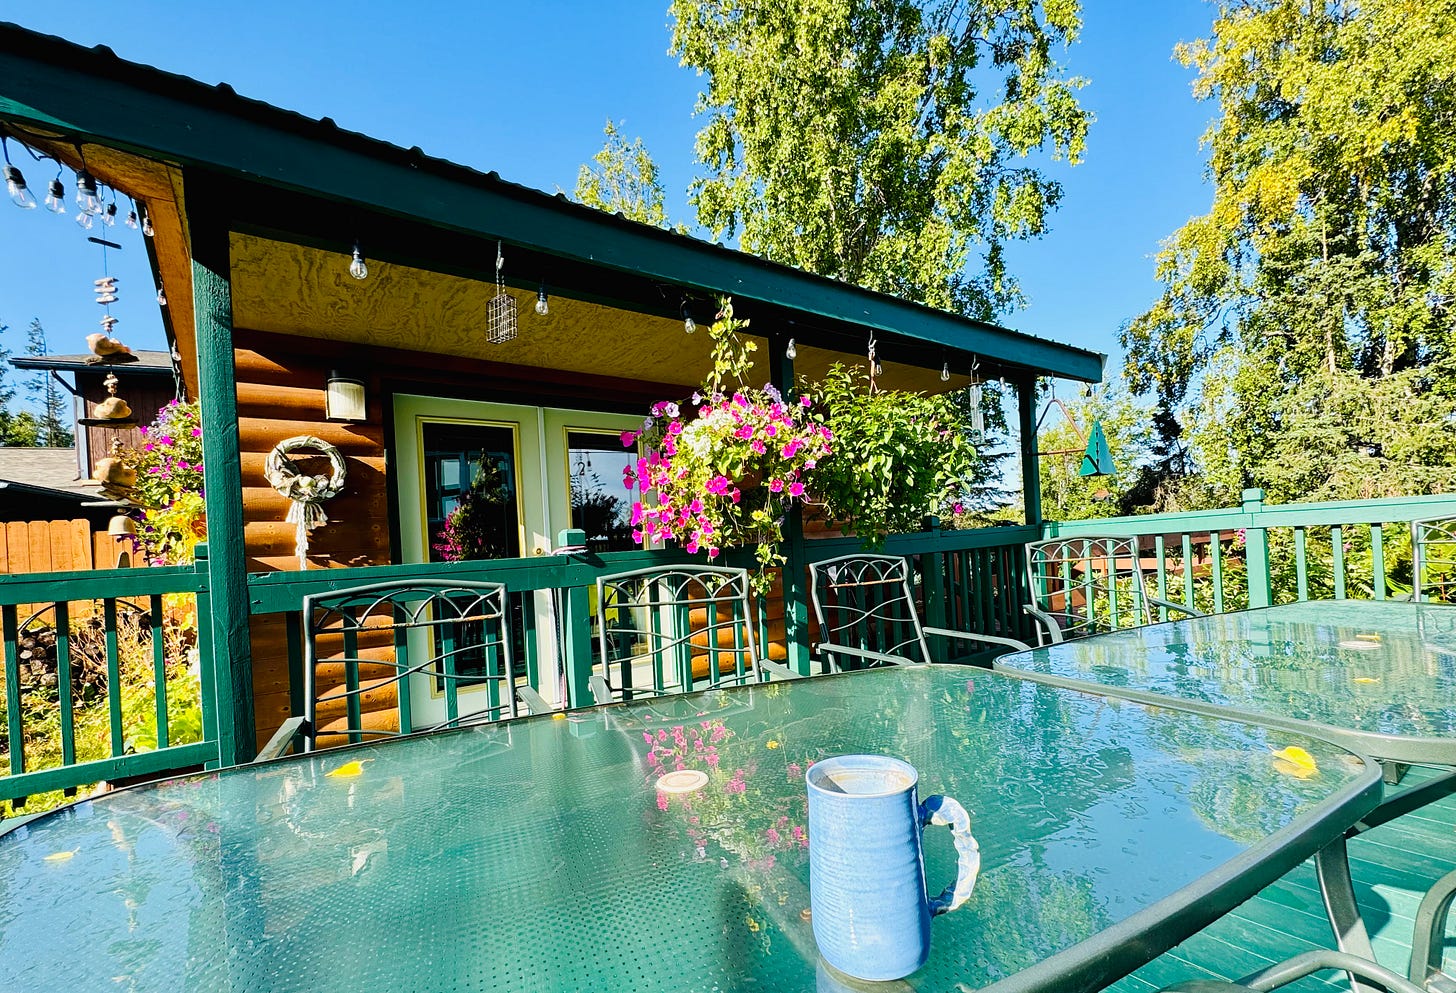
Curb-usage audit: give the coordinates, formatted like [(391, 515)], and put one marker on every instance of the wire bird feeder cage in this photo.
[(500, 313), (1096, 454)]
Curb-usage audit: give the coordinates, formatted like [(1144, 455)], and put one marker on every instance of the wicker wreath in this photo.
[(306, 492)]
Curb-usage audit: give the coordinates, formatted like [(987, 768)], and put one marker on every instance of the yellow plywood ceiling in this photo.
[(299, 290)]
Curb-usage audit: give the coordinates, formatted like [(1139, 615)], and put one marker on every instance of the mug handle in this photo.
[(944, 810)]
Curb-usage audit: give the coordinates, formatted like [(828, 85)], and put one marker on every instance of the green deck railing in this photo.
[(972, 580), (1256, 555), (120, 622)]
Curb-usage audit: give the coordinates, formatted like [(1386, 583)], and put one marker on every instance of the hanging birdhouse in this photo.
[(1097, 458)]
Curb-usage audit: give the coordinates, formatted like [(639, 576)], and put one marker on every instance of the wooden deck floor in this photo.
[(1392, 867)]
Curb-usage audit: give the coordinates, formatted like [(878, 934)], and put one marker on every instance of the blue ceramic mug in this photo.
[(867, 893)]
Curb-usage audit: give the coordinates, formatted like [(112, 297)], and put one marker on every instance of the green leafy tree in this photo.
[(623, 179), (1305, 324), (52, 421), (883, 142)]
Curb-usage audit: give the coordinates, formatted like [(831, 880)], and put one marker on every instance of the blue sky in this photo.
[(524, 89)]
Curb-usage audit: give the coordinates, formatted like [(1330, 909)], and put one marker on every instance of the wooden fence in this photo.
[(60, 546)]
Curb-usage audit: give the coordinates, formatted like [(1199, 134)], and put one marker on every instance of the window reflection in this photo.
[(600, 505)]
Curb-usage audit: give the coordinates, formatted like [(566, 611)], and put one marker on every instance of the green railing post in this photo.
[(222, 466), (575, 626), (795, 594), (932, 586), (1030, 462), (206, 661), (1256, 550)]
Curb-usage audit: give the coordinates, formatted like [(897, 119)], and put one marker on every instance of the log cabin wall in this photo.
[(280, 393)]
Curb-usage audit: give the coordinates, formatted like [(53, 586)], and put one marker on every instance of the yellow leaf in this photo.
[(773, 743), (350, 769), (558, 717), (61, 856), (1366, 679), (1295, 761)]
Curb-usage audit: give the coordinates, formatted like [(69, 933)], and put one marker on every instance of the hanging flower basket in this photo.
[(726, 465)]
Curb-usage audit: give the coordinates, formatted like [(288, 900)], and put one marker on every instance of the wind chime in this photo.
[(973, 395), (500, 324), (1096, 454)]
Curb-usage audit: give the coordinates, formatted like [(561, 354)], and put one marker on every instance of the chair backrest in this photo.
[(1433, 543), (1087, 585), (363, 645), (673, 629), (866, 611)]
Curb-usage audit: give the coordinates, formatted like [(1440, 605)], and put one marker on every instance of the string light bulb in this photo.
[(357, 268), (15, 185), (945, 372), (791, 352), (689, 325), (55, 200), (542, 307), (15, 182), (87, 200), (147, 228), (108, 216), (131, 219)]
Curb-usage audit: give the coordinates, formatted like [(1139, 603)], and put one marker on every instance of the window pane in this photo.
[(478, 461), (600, 505)]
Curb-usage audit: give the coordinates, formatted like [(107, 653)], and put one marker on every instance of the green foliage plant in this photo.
[(169, 485), (883, 142), (898, 456)]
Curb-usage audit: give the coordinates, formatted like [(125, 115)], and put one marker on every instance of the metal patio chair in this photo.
[(1088, 585), (867, 616), (675, 629), (362, 645), (1433, 546)]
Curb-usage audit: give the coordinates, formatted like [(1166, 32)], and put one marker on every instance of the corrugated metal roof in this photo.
[(221, 97)]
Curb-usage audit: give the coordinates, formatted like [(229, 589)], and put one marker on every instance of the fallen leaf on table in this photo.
[(1295, 761), (349, 769), (61, 856)]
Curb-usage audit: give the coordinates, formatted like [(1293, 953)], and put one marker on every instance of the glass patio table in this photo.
[(540, 854), (1378, 676)]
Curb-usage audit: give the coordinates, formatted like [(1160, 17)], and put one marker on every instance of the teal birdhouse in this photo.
[(1097, 459)]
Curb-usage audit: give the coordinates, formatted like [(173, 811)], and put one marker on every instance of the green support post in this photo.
[(796, 601), (932, 585), (222, 466), (1030, 461), (1256, 550)]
